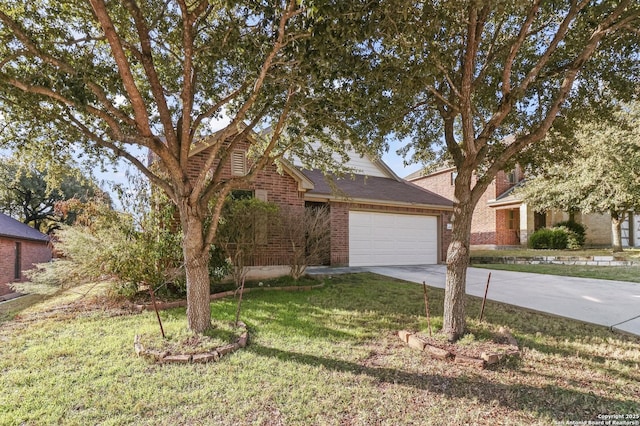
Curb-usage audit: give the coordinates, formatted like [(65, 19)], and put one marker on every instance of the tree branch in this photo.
[(150, 70), (124, 68)]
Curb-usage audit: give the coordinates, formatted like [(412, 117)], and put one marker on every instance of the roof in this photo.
[(507, 198), (372, 189), (9, 227), (429, 171)]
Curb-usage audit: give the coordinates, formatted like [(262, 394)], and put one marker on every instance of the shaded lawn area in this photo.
[(327, 356), (616, 273)]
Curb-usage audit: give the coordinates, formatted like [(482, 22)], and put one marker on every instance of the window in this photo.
[(241, 194), (261, 194), (511, 177), (18, 261), (511, 219), (454, 175), (238, 163), (259, 224)]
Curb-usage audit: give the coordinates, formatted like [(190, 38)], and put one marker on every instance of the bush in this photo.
[(555, 238), (576, 233)]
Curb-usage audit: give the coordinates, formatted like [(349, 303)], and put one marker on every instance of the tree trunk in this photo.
[(457, 263), (196, 257), (616, 231)]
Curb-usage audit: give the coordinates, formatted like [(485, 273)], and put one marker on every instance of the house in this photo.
[(377, 218), (21, 247), (501, 218)]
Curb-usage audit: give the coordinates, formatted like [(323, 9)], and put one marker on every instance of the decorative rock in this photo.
[(438, 353), (177, 359), (475, 362), (513, 353), (227, 349), (242, 341), (404, 335), (241, 324), (137, 346), (491, 358), (416, 343), (206, 357), (157, 355), (508, 336)]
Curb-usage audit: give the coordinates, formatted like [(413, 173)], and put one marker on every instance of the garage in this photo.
[(377, 239)]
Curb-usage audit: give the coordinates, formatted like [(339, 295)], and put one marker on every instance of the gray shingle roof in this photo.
[(374, 189), (9, 227)]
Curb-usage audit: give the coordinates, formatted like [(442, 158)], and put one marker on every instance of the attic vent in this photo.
[(238, 163)]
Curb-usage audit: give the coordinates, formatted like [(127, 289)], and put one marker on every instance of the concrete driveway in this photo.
[(614, 304)]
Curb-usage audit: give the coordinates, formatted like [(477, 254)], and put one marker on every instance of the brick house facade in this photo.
[(490, 226), (289, 185), (502, 219), (20, 248)]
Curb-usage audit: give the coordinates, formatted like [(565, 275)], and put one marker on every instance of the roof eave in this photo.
[(329, 197)]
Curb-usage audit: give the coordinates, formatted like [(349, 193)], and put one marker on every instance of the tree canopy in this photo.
[(31, 195), (601, 176), (120, 75), (481, 84), (117, 77)]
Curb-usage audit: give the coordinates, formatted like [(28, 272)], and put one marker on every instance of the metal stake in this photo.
[(155, 307), (486, 290), (426, 306)]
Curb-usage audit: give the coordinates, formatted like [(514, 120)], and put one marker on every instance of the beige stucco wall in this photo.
[(598, 225)]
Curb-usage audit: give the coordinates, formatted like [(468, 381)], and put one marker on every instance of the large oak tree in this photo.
[(121, 77), (480, 83)]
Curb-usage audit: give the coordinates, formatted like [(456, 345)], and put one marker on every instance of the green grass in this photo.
[(616, 273), (326, 356), (627, 254)]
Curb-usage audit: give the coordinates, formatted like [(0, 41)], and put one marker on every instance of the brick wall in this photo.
[(281, 189), (339, 233), (483, 222), (507, 227), (32, 252)]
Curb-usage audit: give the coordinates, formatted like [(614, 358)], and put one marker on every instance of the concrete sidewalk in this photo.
[(614, 304)]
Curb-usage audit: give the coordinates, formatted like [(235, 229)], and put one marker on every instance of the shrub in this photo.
[(576, 233), (556, 238), (141, 247), (308, 233)]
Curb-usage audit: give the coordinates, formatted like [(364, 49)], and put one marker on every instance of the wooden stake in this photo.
[(486, 290), (426, 306), (155, 307)]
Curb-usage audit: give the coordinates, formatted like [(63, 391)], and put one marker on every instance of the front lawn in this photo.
[(616, 273), (326, 356)]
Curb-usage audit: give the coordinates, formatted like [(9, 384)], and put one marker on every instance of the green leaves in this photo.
[(602, 175)]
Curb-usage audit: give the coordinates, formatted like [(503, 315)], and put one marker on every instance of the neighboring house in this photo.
[(21, 247), (501, 218), (376, 217)]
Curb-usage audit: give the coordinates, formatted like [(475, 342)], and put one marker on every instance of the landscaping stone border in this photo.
[(486, 359), (165, 357), (215, 296), (554, 260)]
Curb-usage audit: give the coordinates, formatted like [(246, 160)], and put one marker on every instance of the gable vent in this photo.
[(238, 163)]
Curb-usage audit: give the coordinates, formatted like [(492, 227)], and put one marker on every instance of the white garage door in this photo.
[(392, 239)]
